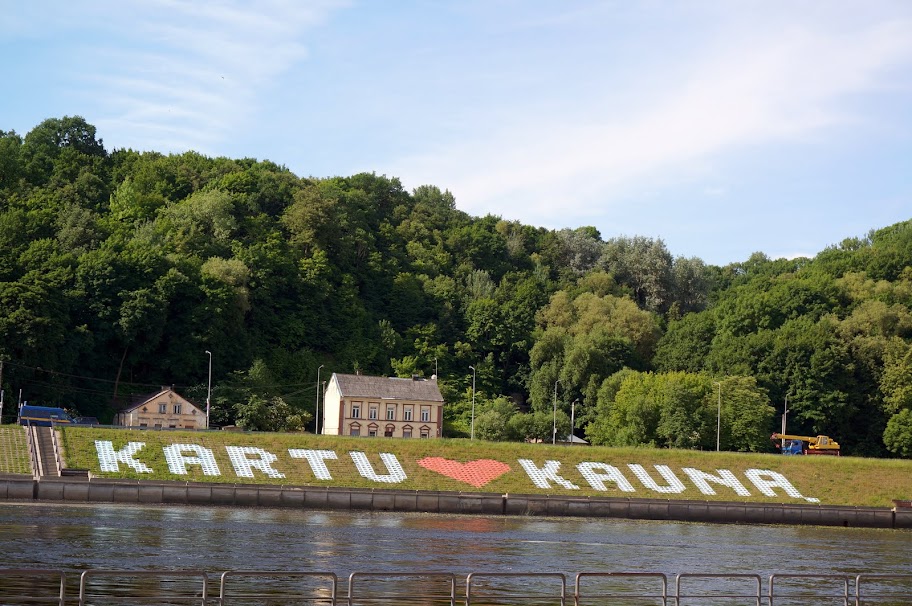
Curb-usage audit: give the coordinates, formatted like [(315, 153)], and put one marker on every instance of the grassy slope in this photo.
[(833, 480), (14, 457)]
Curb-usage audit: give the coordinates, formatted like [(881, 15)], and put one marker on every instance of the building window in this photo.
[(407, 413), (372, 433), (355, 430), (372, 412), (388, 431), (406, 433), (356, 410), (425, 434), (162, 409), (390, 412), (177, 409), (425, 413), (158, 426)]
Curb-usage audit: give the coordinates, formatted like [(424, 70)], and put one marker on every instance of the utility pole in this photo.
[(785, 412), (472, 431), (317, 409), (209, 389), (554, 427), (324, 400), (573, 420)]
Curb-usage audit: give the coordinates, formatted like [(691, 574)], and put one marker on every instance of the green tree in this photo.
[(898, 435)]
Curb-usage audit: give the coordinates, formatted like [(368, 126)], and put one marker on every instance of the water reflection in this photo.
[(215, 539)]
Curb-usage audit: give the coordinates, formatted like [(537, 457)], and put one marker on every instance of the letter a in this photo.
[(541, 476)]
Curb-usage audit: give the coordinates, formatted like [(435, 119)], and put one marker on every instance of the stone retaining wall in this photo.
[(19, 487)]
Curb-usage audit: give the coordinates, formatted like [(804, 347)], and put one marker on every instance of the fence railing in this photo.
[(29, 586)]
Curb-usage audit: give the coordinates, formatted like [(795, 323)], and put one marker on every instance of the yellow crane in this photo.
[(809, 445)]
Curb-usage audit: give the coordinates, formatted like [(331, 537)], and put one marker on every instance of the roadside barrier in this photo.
[(24, 586)]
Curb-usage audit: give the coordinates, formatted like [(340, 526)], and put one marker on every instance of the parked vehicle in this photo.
[(807, 445), (43, 416)]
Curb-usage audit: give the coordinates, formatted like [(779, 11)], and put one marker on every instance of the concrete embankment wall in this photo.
[(99, 490)]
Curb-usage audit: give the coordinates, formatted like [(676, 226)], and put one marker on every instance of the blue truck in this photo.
[(44, 416)]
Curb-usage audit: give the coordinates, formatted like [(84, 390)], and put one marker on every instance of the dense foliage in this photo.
[(119, 271)]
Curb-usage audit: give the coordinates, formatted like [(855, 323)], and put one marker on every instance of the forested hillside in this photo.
[(120, 269)]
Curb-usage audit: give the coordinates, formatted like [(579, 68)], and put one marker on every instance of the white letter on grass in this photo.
[(776, 480), (108, 457), (177, 461), (608, 472), (541, 476), (675, 486), (244, 466), (396, 473), (317, 460), (725, 478)]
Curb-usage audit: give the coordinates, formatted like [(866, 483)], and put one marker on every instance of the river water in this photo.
[(107, 536)]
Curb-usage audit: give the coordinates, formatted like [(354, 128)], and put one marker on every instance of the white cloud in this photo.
[(756, 86), (184, 75)]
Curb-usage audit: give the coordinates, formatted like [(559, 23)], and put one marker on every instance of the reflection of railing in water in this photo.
[(278, 588)]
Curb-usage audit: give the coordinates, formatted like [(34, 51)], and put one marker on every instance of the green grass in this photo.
[(14, 456), (833, 480)]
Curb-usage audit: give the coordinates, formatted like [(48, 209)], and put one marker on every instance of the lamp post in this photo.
[(317, 408), (472, 430), (554, 422), (209, 389), (573, 420), (718, 415), (785, 412)]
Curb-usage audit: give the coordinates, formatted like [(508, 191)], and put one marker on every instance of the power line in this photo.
[(143, 385)]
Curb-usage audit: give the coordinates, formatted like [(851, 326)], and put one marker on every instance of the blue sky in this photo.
[(722, 127)]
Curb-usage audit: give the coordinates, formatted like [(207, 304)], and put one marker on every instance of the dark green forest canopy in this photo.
[(120, 269)]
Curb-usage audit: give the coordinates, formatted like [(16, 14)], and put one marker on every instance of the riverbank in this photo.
[(101, 490), (456, 466)]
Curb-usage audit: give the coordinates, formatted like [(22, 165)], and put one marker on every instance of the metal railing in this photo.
[(29, 586)]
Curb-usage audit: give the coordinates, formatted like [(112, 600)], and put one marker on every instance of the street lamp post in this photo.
[(785, 412), (718, 415), (554, 422), (472, 430), (317, 408), (572, 420), (209, 389)]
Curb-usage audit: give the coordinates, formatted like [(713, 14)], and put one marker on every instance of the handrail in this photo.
[(199, 595), (756, 595), (525, 596), (31, 577), (791, 596), (243, 587), (37, 467), (58, 460), (322, 590), (600, 595)]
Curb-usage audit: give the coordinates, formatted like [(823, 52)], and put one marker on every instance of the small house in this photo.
[(393, 407), (165, 409)]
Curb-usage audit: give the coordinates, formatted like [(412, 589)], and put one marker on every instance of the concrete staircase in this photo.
[(44, 451)]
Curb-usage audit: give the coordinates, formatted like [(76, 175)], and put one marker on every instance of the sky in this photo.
[(723, 127)]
